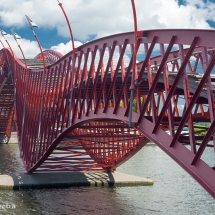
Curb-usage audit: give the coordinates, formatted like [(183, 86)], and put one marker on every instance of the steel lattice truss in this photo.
[(84, 103), (50, 55)]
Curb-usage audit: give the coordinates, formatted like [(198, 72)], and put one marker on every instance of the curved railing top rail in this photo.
[(15, 57), (183, 36)]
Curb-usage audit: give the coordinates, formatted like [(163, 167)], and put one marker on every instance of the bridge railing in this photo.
[(174, 91)]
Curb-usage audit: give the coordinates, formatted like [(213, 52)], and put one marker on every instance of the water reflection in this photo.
[(10, 160), (173, 192), (82, 200)]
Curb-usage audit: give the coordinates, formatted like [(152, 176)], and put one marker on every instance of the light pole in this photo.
[(2, 44), (17, 37), (73, 61), (32, 25), (69, 26), (132, 87), (3, 33)]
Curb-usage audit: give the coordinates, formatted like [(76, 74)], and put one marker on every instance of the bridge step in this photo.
[(70, 179)]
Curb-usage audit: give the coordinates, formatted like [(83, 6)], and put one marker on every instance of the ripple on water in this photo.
[(173, 192), (10, 160)]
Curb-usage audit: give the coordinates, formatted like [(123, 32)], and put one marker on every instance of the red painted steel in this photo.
[(50, 55), (173, 103)]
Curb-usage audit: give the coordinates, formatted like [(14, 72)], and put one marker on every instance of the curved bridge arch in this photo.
[(135, 141), (174, 91), (50, 55)]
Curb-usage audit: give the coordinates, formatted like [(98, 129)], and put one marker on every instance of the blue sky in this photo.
[(92, 19)]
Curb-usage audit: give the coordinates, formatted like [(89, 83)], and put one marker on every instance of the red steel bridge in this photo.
[(74, 115)]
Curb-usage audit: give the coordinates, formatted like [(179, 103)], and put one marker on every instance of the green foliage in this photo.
[(202, 128), (134, 104)]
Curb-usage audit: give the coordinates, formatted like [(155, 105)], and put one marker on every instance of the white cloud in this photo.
[(106, 17), (31, 49), (100, 18), (65, 48)]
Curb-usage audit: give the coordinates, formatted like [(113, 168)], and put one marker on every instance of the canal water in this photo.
[(173, 192)]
